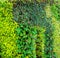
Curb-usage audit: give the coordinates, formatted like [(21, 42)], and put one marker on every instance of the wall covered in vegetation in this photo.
[(29, 29)]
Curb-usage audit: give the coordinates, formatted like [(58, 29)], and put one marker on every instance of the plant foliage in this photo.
[(7, 31), (26, 41)]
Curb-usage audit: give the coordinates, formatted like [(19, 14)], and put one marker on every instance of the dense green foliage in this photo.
[(7, 31), (56, 11), (27, 13), (29, 29), (26, 40), (32, 13), (49, 42), (56, 37), (40, 42), (28, 35)]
